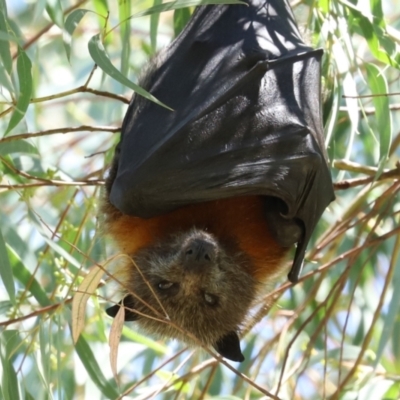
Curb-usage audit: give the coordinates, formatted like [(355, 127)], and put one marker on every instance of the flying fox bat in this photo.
[(208, 198)]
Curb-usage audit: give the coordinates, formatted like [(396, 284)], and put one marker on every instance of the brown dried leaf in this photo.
[(85, 290), (115, 337)]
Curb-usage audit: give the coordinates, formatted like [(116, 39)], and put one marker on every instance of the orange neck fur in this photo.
[(239, 218)]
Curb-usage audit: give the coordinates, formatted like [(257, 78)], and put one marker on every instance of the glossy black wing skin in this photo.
[(245, 91)]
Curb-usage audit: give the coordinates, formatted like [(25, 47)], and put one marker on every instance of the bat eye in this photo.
[(210, 299), (165, 285)]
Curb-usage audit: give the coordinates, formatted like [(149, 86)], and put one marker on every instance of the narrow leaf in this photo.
[(5, 53), (9, 382), (181, 18), (87, 287), (25, 277), (45, 345), (101, 8), (24, 67), (5, 305), (5, 80), (378, 86), (144, 340), (70, 25), (333, 113), (92, 368), (100, 57), (115, 338), (124, 8), (376, 11), (40, 5), (350, 90), (174, 5), (370, 35), (55, 11), (154, 20), (394, 308), (17, 146), (9, 37), (375, 389), (6, 270), (55, 246)]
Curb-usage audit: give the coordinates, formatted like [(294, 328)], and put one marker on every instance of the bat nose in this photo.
[(199, 253)]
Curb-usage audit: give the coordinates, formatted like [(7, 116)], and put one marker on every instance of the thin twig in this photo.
[(81, 128), (94, 182), (371, 110), (347, 184), (81, 89), (36, 313), (350, 166)]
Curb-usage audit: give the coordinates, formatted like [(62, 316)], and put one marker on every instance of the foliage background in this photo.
[(336, 334)]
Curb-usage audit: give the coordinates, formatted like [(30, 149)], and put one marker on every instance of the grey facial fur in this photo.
[(202, 289)]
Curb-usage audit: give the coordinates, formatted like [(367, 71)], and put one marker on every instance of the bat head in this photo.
[(193, 274), (197, 285)]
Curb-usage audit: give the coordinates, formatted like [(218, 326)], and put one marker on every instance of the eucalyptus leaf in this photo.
[(175, 5), (101, 58), (71, 23), (29, 282), (6, 270), (379, 88), (24, 70), (5, 53), (92, 367)]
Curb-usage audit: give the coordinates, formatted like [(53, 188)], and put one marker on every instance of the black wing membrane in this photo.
[(245, 90)]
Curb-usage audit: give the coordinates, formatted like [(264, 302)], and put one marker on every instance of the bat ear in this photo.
[(129, 303), (229, 347)]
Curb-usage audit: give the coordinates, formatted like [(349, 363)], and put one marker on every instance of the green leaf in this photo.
[(10, 37), (124, 8), (70, 25), (26, 278), (333, 113), (5, 53), (324, 6), (17, 146), (349, 89), (5, 306), (374, 389), (174, 5), (56, 13), (24, 70), (101, 8), (45, 345), (370, 33), (92, 368), (376, 11), (55, 246), (154, 20), (144, 340), (3, 7), (6, 36), (396, 341), (100, 57), (388, 330), (181, 18), (9, 384), (6, 270), (40, 5), (378, 86), (5, 80)]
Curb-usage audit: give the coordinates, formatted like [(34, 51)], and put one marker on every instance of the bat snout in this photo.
[(199, 253)]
